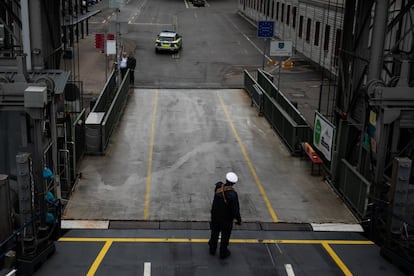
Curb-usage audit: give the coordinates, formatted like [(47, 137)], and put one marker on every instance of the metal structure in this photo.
[(375, 115), (370, 58), (41, 119)]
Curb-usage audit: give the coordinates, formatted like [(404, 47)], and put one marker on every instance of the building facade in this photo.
[(314, 27)]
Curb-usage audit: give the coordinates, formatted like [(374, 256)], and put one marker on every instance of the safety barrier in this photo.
[(115, 110), (105, 114), (255, 91), (279, 111), (354, 187), (106, 96)]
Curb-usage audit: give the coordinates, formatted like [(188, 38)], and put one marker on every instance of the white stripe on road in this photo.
[(84, 224), (337, 227), (248, 39), (147, 269), (289, 270)]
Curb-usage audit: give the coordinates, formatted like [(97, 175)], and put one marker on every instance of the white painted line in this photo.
[(248, 39), (85, 224), (336, 227), (270, 255), (289, 270), (150, 24), (147, 269), (12, 273)]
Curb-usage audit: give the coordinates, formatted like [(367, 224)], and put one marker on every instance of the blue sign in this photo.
[(265, 29)]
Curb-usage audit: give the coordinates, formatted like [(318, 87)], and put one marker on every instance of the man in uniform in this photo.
[(224, 211), (131, 64)]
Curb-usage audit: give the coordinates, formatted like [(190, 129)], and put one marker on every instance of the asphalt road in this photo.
[(218, 44)]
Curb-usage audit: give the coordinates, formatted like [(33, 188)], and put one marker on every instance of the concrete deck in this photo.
[(171, 146)]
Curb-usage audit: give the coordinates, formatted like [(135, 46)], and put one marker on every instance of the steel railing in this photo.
[(278, 110), (105, 114)]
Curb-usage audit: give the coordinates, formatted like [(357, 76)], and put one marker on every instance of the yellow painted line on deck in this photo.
[(99, 258), (150, 154), (108, 242), (249, 163), (336, 259), (201, 240)]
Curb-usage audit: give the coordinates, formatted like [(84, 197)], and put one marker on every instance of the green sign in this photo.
[(116, 4), (323, 135)]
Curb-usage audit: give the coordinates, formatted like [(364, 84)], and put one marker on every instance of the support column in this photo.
[(378, 40)]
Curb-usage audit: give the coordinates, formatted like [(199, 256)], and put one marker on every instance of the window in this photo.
[(300, 26), (277, 11), (268, 7), (273, 9), (282, 16), (288, 15), (327, 34), (337, 45), (308, 29), (316, 38), (294, 17)]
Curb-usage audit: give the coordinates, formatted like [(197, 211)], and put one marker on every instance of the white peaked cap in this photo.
[(231, 177)]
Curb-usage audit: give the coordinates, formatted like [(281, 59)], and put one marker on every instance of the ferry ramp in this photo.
[(172, 145)]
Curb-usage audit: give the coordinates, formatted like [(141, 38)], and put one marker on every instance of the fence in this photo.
[(254, 90), (278, 111), (105, 114), (354, 187)]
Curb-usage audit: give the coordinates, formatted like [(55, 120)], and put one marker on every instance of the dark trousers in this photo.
[(123, 72), (225, 228), (131, 76)]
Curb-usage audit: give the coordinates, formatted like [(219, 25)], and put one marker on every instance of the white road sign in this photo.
[(280, 48)]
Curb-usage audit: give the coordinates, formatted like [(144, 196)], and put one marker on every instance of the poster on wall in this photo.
[(323, 135)]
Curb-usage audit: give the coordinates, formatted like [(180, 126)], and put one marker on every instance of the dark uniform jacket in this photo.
[(225, 204), (131, 63)]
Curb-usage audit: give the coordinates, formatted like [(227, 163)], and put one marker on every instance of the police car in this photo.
[(168, 40)]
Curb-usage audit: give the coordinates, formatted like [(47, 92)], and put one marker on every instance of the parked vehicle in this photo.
[(168, 40), (199, 3)]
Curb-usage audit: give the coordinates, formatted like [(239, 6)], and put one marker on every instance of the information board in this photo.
[(280, 48)]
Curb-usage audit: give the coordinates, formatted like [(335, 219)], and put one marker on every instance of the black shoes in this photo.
[(212, 248), (225, 254)]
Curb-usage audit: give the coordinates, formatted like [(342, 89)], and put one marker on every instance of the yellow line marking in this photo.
[(150, 154), (249, 163), (188, 240), (99, 258), (337, 260)]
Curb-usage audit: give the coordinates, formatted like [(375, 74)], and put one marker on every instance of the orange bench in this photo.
[(313, 156)]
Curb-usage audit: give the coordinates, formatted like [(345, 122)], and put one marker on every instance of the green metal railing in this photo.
[(105, 114), (115, 110), (354, 187), (254, 90), (279, 111)]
